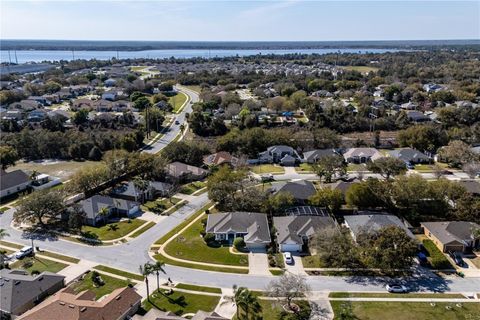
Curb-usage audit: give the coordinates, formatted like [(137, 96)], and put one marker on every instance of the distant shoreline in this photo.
[(224, 45)]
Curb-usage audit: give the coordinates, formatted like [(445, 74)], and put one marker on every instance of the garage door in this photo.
[(290, 248), (255, 245)]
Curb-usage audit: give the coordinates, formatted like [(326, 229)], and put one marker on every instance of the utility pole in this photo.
[(73, 54), (16, 59)]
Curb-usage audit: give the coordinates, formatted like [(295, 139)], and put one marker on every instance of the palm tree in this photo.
[(104, 212), (245, 300), (141, 185), (156, 268), (3, 234), (146, 270)]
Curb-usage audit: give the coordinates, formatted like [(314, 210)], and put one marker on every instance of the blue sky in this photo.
[(239, 20)]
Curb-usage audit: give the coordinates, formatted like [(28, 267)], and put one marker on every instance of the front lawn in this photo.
[(304, 168), (181, 302), (435, 257), (430, 167), (160, 206), (351, 167), (189, 245), (111, 284), (312, 261), (193, 287), (115, 230), (38, 264), (267, 168), (192, 187), (272, 310), (363, 310)]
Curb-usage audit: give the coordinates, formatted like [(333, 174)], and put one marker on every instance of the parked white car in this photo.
[(396, 288), (288, 258), (25, 251)]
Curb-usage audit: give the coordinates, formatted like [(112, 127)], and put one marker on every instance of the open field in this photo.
[(111, 284), (361, 69), (189, 245), (57, 168), (181, 302), (107, 232), (363, 310), (267, 168), (38, 264)]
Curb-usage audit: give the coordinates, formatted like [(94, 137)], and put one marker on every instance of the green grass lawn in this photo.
[(3, 209), (312, 262), (189, 245), (147, 226), (267, 168), (11, 244), (356, 167), (272, 309), (182, 225), (406, 310), (435, 257), (195, 88), (198, 288), (162, 205), (192, 187), (105, 233), (177, 101), (111, 284), (181, 302), (38, 264), (59, 256), (169, 261), (430, 167), (304, 168), (134, 276), (393, 295)]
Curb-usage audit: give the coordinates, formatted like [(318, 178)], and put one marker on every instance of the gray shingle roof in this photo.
[(374, 222), (291, 229), (17, 287), (253, 224), (408, 154), (314, 155), (12, 179), (301, 190), (449, 231)]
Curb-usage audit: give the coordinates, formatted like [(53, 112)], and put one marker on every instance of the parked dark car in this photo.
[(457, 257)]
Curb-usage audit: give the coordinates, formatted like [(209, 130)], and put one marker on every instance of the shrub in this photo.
[(209, 237), (27, 263), (34, 272), (239, 243)]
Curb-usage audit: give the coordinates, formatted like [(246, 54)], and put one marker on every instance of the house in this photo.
[(301, 190), (361, 155), (25, 105), (153, 189), (417, 116), (182, 171), (409, 155), (340, 185), (110, 82), (220, 158), (12, 115), (315, 155), (36, 116), (453, 235), (110, 95), (120, 304), (294, 232), (251, 226), (432, 87), (408, 106), (102, 105), (21, 291), (78, 104), (155, 314), (373, 222), (92, 207), (13, 182), (282, 154), (121, 106)]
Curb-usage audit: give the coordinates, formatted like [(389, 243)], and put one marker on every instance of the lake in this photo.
[(23, 56)]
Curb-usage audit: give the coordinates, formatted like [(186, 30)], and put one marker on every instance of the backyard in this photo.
[(267, 168), (363, 310), (38, 264), (86, 283), (181, 302), (57, 168), (113, 231), (189, 245)]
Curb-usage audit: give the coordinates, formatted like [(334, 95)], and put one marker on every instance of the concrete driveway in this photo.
[(297, 266), (258, 262)]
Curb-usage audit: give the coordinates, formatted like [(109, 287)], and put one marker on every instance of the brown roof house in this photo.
[(453, 235), (220, 158), (121, 304), (20, 291), (182, 171), (251, 226)]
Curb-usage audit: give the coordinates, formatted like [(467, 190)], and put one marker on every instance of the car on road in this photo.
[(396, 288), (457, 258), (177, 122), (25, 251), (288, 258)]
